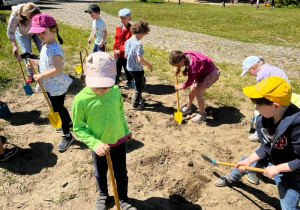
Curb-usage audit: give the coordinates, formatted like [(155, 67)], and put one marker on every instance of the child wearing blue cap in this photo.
[(99, 31), (122, 34)]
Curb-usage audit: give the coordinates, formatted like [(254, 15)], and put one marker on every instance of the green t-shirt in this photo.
[(99, 118)]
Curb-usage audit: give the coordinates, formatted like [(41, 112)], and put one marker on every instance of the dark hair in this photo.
[(177, 56), (261, 101), (60, 40), (140, 27)]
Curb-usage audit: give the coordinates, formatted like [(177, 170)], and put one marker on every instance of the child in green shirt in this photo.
[(99, 121)]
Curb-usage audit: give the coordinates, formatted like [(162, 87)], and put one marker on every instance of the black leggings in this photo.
[(122, 62), (58, 106)]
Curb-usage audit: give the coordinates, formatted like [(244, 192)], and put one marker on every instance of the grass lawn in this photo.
[(236, 22), (242, 22)]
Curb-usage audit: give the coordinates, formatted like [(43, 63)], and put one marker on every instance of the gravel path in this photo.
[(219, 49)]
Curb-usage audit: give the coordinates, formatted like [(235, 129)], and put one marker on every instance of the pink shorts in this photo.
[(209, 80)]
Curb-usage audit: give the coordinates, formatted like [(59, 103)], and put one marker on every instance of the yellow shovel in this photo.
[(78, 68), (54, 117), (178, 114)]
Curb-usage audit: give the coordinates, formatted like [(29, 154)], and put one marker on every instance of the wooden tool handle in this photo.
[(261, 170), (41, 86), (81, 62), (21, 69), (113, 181), (177, 94)]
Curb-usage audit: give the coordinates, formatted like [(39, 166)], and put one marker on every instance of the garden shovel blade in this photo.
[(26, 86), (54, 119), (78, 69), (208, 159)]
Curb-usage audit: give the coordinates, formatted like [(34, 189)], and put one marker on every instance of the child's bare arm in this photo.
[(142, 61), (91, 36), (57, 62), (271, 171)]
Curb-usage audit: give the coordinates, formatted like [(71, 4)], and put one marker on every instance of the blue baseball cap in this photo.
[(124, 12), (248, 63)]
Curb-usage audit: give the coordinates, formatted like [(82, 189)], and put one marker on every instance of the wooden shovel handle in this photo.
[(113, 181), (177, 94), (81, 62), (41, 86), (21, 69), (261, 170)]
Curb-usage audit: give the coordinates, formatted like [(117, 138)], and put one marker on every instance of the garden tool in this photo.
[(261, 170), (53, 117), (79, 68), (26, 86), (113, 181), (178, 114)]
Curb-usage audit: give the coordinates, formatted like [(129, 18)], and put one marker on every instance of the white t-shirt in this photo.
[(98, 28)]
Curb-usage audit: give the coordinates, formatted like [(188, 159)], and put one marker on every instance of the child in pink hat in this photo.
[(51, 75)]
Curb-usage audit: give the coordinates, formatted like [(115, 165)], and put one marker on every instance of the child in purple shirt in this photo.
[(202, 74)]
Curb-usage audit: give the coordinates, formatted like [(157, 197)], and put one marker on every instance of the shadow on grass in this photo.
[(174, 202), (76, 86), (272, 201), (31, 161)]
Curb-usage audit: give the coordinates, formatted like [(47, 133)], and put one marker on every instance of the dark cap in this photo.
[(93, 8)]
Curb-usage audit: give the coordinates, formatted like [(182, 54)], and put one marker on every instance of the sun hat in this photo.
[(93, 8), (248, 63), (40, 22), (124, 12), (275, 89), (100, 70)]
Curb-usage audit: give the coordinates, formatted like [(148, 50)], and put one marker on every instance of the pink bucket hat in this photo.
[(40, 22), (100, 70)]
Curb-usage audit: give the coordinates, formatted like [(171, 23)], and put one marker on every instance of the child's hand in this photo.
[(37, 77), (178, 87), (176, 71), (116, 53), (15, 52), (89, 41), (19, 58), (102, 149), (271, 171), (242, 163), (129, 137), (150, 67)]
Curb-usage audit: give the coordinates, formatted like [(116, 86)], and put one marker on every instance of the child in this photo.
[(99, 121), (99, 31), (6, 153), (202, 74), (123, 33), (17, 29), (54, 81), (278, 129), (134, 53)]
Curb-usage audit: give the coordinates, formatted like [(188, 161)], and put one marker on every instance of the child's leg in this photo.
[(58, 106), (118, 157), (100, 173), (140, 81), (96, 48), (191, 98), (128, 75), (200, 100), (25, 44)]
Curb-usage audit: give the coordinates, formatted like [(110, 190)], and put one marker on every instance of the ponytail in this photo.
[(60, 40)]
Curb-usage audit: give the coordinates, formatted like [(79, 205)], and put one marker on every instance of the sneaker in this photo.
[(65, 143), (101, 203), (8, 153), (253, 137), (138, 107), (199, 118), (252, 178), (30, 79), (128, 85), (226, 181), (126, 206), (185, 110), (142, 100)]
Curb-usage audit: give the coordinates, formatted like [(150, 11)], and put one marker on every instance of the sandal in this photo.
[(185, 110), (199, 118)]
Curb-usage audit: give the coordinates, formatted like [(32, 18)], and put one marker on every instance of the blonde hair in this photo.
[(259, 63), (27, 10)]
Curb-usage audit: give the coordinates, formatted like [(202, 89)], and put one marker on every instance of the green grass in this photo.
[(242, 22), (181, 17)]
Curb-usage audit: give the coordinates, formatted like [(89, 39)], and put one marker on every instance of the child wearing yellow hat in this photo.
[(278, 127)]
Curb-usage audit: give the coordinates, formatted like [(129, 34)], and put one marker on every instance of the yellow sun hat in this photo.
[(275, 89)]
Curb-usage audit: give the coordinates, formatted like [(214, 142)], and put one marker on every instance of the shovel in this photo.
[(78, 68), (53, 117), (178, 114), (26, 86), (261, 170), (113, 181)]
